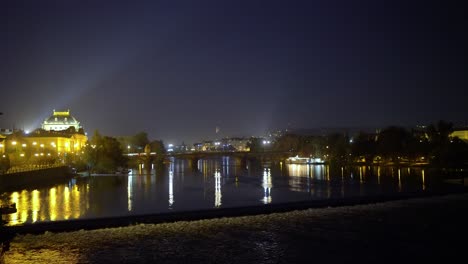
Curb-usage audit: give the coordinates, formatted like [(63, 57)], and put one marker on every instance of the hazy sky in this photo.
[(178, 69)]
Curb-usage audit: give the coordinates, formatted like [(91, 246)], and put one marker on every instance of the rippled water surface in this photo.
[(214, 183)]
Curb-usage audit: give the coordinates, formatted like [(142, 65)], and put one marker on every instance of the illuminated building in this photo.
[(60, 121), (461, 133), (2, 144), (60, 133), (67, 141)]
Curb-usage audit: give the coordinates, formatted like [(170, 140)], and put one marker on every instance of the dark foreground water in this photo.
[(429, 230), (209, 184)]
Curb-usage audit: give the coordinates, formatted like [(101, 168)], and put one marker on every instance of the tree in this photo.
[(364, 145), (338, 147), (139, 140), (104, 154), (255, 144), (393, 142)]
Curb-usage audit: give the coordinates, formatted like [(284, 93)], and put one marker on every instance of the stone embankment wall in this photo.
[(34, 177)]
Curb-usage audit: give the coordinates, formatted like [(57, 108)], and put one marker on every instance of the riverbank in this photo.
[(122, 221), (36, 177), (422, 229)]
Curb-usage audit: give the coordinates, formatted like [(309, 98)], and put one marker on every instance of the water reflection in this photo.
[(218, 182), (422, 179), (129, 193), (56, 203), (171, 185), (267, 185), (218, 194)]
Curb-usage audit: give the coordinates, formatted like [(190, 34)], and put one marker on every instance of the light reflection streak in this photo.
[(360, 175), (378, 175), (423, 180), (218, 194), (14, 198), (24, 205), (171, 185), (36, 205), (53, 204), (267, 185), (129, 193), (399, 179), (66, 203), (76, 202)]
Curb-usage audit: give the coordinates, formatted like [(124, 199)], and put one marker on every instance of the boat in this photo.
[(304, 160), (122, 171), (9, 209)]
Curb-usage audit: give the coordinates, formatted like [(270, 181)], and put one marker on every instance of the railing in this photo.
[(31, 167)]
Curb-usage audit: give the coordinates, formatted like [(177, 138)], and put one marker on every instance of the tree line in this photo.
[(104, 154), (429, 145)]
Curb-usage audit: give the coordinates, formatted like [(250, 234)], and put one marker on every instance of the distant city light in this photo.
[(13, 142), (26, 132), (170, 145)]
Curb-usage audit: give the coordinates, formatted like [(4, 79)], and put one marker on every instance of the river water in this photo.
[(209, 184)]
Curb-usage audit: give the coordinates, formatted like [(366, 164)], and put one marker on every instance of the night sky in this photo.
[(178, 69)]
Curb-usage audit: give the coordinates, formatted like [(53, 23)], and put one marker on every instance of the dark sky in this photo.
[(178, 69)]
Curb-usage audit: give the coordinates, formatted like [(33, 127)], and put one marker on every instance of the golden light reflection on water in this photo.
[(36, 205), (399, 179), (423, 180), (66, 199), (53, 204), (76, 202), (57, 203), (13, 218), (24, 201), (378, 174)]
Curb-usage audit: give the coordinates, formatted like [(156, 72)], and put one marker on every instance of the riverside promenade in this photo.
[(420, 229)]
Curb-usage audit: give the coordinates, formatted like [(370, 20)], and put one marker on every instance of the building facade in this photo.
[(461, 133)]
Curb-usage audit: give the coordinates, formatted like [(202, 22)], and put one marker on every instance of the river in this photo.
[(213, 183)]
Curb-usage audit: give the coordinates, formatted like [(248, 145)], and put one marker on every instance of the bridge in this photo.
[(195, 156)]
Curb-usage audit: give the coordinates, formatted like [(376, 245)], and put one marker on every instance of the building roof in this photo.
[(63, 117), (63, 133)]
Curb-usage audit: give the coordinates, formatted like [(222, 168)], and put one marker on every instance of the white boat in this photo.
[(304, 160)]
